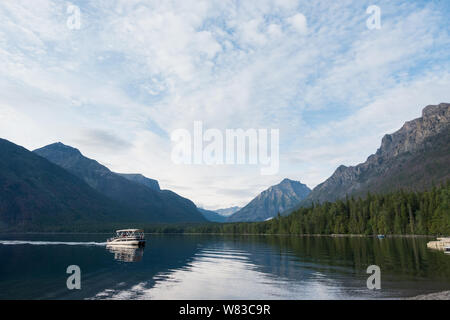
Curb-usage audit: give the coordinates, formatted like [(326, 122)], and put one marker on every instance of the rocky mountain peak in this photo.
[(273, 200), (412, 134), (441, 110), (70, 157), (60, 147), (412, 157)]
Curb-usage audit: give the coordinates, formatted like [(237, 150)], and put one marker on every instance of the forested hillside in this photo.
[(424, 213)]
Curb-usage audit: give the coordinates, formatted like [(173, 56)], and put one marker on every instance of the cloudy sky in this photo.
[(135, 71)]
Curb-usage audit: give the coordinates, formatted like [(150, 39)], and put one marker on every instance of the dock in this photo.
[(440, 244)]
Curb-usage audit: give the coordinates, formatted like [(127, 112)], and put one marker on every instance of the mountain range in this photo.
[(272, 201), (212, 216), (57, 185), (228, 211), (219, 215), (37, 194), (135, 191), (413, 158)]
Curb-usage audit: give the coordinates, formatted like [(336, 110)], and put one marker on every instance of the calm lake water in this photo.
[(219, 267)]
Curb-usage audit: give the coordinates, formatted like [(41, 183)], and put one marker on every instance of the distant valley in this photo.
[(219, 215)]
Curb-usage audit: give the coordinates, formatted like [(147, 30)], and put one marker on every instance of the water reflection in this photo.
[(221, 272), (219, 267), (296, 268), (126, 253)]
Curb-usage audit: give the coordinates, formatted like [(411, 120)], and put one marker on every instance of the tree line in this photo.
[(400, 212)]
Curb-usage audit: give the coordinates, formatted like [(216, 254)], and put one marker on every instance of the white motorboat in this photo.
[(127, 237)]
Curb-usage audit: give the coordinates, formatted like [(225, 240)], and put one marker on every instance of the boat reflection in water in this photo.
[(127, 245), (126, 253)]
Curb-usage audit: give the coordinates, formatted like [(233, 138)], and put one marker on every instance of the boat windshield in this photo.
[(130, 234)]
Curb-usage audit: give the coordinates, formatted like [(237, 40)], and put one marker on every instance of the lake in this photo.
[(33, 266)]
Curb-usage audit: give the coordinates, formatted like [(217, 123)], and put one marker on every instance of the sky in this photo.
[(117, 79)]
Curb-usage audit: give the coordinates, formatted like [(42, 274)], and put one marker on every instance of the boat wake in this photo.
[(48, 243)]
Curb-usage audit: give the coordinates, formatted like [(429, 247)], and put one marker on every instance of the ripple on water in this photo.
[(226, 274)]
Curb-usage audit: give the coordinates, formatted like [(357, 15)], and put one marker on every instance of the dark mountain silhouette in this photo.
[(139, 178), (37, 194), (153, 205)]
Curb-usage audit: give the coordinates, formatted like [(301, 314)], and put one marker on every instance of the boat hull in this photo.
[(126, 243)]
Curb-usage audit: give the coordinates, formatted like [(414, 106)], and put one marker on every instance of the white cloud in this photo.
[(274, 30), (136, 70), (299, 23)]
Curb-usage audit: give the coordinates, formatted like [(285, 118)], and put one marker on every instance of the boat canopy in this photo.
[(130, 230)]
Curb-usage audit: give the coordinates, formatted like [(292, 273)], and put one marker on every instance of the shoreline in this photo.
[(243, 234), (247, 234), (443, 295)]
